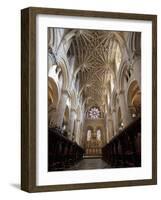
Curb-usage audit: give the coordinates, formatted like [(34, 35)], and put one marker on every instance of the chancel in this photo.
[(94, 99)]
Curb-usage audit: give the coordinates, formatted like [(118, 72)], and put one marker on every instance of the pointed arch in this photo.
[(121, 42)]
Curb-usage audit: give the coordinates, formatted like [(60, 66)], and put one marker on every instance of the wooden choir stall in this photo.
[(63, 152), (124, 150)]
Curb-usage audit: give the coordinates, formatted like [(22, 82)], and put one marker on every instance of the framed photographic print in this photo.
[(88, 99)]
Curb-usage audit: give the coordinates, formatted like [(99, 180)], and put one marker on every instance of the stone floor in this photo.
[(90, 163)]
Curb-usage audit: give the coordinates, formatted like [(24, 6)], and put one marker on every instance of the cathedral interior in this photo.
[(94, 99)]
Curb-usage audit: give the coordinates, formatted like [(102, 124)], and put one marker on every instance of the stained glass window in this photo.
[(99, 134), (94, 113), (89, 135)]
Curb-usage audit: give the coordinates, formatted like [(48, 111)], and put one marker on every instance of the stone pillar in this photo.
[(114, 119), (125, 113), (107, 135), (108, 127), (52, 116), (71, 122), (77, 132), (81, 135), (51, 37), (110, 131), (136, 67), (61, 108)]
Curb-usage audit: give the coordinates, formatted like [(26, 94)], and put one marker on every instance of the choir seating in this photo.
[(63, 152), (124, 150)]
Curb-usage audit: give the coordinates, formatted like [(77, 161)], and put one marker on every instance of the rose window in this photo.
[(94, 113)]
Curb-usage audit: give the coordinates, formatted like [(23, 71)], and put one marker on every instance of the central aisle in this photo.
[(90, 163)]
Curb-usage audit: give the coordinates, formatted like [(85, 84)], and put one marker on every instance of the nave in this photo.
[(90, 163), (94, 99), (124, 150)]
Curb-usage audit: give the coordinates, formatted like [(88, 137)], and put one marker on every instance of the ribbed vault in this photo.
[(95, 62)]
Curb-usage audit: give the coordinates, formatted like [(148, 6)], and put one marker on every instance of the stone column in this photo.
[(80, 134), (137, 70), (114, 121), (110, 128), (107, 135), (51, 34), (77, 136), (71, 122), (125, 113), (61, 108), (52, 116)]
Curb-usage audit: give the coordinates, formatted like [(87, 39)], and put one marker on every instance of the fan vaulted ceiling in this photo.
[(95, 63)]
